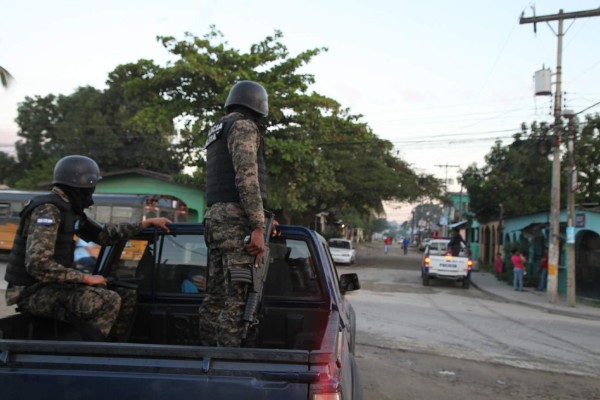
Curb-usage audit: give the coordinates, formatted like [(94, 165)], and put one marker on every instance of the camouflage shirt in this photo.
[(243, 143), (41, 239)]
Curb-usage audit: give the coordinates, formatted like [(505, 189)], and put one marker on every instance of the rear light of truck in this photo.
[(426, 261), (327, 396), (470, 264)]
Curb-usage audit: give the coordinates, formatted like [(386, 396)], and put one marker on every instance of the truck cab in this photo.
[(304, 347)]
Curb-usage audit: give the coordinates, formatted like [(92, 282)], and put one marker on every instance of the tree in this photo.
[(587, 160), (106, 125), (36, 118), (5, 77), (320, 157), (135, 105), (41, 171), (518, 176), (8, 167)]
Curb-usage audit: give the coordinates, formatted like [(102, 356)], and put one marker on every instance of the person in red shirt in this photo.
[(386, 244), (518, 261), (498, 262)]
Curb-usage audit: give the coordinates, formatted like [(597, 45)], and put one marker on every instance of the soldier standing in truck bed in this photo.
[(236, 193)]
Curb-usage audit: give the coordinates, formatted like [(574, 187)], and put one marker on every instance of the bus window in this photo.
[(150, 213), (123, 214), (15, 209), (167, 214), (4, 210), (102, 214), (181, 216)]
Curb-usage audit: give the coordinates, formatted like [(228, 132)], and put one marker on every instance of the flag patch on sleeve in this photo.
[(44, 220)]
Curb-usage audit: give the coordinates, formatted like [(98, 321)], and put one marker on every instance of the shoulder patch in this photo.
[(44, 220)]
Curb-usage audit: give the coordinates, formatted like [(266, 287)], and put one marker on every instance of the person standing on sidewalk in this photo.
[(498, 265), (405, 245), (543, 270), (518, 262), (386, 244)]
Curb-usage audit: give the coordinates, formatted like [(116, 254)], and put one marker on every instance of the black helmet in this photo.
[(249, 94), (77, 171)]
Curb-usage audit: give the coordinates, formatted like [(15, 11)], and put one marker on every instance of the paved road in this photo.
[(395, 311)]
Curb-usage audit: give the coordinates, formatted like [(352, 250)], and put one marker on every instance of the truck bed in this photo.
[(304, 345)]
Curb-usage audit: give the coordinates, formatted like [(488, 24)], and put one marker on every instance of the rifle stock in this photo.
[(259, 276)]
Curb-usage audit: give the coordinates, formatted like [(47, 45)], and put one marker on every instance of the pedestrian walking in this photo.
[(386, 244)]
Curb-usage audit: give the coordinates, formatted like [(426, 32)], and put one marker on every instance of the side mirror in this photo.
[(349, 282)]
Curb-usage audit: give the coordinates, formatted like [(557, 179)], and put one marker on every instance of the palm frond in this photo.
[(5, 77)]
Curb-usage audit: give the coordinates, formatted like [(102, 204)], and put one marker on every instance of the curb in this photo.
[(548, 310)]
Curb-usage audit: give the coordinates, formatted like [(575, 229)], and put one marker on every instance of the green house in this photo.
[(141, 181)]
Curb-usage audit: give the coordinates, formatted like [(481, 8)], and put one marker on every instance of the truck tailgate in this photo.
[(81, 370), (448, 265)]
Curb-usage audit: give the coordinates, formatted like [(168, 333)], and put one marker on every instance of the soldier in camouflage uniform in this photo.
[(42, 277), (235, 195)]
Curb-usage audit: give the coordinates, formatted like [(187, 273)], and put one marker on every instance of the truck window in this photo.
[(292, 270), (182, 264), (334, 273), (177, 264)]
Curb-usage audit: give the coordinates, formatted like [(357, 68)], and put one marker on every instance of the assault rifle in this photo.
[(259, 276)]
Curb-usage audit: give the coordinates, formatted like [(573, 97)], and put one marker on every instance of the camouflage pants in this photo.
[(109, 311), (222, 310)]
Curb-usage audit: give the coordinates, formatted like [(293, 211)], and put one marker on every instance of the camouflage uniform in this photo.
[(59, 292), (227, 224)]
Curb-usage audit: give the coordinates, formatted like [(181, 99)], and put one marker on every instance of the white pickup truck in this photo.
[(438, 263)]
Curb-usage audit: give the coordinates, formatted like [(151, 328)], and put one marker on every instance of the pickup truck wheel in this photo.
[(357, 391), (466, 283)]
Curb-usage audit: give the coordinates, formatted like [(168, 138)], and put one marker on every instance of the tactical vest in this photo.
[(64, 248), (220, 175)]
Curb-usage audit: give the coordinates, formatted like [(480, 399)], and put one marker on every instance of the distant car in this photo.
[(342, 251)]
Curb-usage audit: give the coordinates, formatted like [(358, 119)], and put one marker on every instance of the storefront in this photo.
[(529, 233)]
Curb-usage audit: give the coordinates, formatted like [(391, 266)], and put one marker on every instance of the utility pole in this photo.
[(446, 207), (572, 187), (554, 248), (446, 178)]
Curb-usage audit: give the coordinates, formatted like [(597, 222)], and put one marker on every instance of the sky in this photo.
[(440, 80)]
